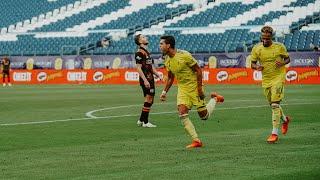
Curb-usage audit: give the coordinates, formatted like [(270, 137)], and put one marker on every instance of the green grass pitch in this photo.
[(45, 134)]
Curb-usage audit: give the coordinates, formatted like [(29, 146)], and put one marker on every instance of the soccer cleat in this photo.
[(284, 127), (9, 84), (148, 125), (139, 123), (218, 97), (4, 84), (272, 138), (195, 144)]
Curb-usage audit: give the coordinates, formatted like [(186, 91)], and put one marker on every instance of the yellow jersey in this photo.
[(267, 56), (180, 65)]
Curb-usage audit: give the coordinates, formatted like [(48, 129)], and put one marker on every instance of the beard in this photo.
[(266, 45)]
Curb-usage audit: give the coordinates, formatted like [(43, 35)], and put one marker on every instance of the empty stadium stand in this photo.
[(55, 27)]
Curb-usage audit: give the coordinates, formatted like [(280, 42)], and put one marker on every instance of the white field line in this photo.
[(132, 115)]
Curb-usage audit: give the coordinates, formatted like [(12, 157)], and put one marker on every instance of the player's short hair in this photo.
[(136, 39), (5, 58), (267, 29), (169, 40)]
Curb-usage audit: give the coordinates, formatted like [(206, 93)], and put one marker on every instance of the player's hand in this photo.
[(279, 64), (147, 84), (163, 96), (259, 68)]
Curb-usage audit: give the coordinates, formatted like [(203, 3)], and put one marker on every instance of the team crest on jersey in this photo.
[(138, 57)]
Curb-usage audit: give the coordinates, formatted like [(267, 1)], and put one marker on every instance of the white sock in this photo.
[(275, 131), (211, 105)]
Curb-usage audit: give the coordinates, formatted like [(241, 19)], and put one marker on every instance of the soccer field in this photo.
[(90, 132)]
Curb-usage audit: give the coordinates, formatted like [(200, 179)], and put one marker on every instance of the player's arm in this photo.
[(286, 60), (139, 69), (255, 66), (168, 86), (254, 59), (284, 55), (155, 72), (198, 72), (139, 57)]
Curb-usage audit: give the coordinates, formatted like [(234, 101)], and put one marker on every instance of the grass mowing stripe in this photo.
[(131, 115)]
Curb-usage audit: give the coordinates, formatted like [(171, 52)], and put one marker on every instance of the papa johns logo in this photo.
[(42, 76), (98, 76), (222, 76), (291, 75)]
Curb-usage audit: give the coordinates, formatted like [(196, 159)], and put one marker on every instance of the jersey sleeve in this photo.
[(191, 61), (254, 55), (139, 57), (283, 51)]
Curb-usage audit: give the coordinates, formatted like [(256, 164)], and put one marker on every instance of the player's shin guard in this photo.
[(210, 107), (189, 127), (276, 114), (145, 112)]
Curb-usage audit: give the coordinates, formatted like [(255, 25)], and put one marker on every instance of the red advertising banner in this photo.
[(131, 76)]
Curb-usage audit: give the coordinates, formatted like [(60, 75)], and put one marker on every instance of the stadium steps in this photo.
[(84, 16)]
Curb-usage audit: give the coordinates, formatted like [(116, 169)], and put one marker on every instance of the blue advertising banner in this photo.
[(304, 59), (213, 60)]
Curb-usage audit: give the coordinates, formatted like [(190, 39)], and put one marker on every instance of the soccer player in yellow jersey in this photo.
[(272, 58), (182, 66)]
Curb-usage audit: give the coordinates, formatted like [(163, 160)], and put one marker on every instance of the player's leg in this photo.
[(275, 122), (184, 104), (276, 97), (284, 119), (188, 126), (148, 101), (145, 111), (4, 79), (8, 77), (205, 111), (274, 134)]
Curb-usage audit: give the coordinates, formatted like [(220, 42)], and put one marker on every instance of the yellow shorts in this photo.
[(274, 93), (191, 99)]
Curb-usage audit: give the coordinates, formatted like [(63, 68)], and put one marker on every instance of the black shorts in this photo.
[(5, 72), (150, 91)]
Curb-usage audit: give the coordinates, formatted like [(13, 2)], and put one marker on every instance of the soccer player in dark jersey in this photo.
[(5, 67), (146, 70)]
